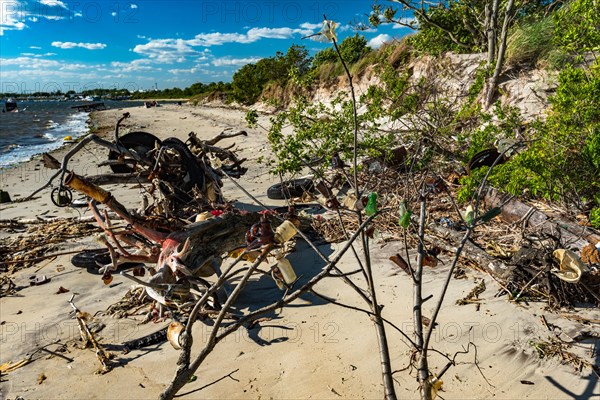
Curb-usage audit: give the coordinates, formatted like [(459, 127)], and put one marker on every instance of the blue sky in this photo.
[(47, 45)]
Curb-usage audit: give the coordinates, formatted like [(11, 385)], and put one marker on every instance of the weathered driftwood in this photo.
[(470, 251), (108, 179), (515, 211)]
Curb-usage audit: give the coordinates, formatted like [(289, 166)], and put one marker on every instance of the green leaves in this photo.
[(251, 118), (249, 81), (577, 26)]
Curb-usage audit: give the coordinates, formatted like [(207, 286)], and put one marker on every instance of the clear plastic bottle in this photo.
[(285, 232), (286, 269)]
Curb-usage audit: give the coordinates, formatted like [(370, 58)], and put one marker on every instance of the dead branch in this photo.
[(186, 369), (88, 337)]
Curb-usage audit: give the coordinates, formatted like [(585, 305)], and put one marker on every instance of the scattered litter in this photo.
[(571, 267), (62, 290), (38, 280), (9, 366)]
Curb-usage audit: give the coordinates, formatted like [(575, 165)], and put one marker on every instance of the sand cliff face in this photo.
[(452, 74)]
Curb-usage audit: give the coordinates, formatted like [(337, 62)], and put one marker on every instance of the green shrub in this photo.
[(577, 26), (595, 217), (352, 49), (562, 160), (458, 18)]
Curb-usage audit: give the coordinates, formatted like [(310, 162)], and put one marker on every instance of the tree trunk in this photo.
[(491, 25), (500, 60)]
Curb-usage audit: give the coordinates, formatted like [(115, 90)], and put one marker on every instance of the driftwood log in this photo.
[(515, 211), (470, 250)]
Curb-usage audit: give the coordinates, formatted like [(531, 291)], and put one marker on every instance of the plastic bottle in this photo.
[(285, 232), (286, 269), (371, 207)]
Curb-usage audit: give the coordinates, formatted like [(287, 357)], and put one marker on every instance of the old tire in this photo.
[(485, 158), (141, 142), (88, 258), (288, 189)]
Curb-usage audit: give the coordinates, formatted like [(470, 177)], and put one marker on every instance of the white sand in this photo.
[(311, 349)]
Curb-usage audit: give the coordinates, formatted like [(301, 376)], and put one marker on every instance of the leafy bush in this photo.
[(577, 26), (457, 18), (318, 131), (562, 161), (595, 217), (249, 81), (351, 48)]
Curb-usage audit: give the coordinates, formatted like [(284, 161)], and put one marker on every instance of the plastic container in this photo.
[(285, 232), (286, 269)]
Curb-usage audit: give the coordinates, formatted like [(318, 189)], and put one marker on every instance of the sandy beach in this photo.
[(311, 349)]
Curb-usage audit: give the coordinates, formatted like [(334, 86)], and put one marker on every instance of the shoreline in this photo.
[(312, 349)]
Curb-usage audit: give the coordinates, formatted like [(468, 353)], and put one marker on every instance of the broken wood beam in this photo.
[(107, 179), (515, 211)]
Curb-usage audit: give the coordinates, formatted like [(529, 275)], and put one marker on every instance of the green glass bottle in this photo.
[(404, 215), (371, 207)]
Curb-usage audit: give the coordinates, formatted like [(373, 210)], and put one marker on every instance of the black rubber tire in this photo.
[(289, 189), (194, 172), (298, 207), (141, 142), (87, 259), (485, 157)]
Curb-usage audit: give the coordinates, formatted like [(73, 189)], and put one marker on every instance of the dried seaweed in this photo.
[(557, 348), (40, 239)]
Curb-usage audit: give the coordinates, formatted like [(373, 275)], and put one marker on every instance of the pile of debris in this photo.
[(522, 247)]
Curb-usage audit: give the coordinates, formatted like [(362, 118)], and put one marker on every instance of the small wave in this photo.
[(75, 126), (10, 147), (52, 125), (49, 137)]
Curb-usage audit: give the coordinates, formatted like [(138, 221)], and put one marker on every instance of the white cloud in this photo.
[(378, 40), (114, 13), (37, 55), (135, 65), (53, 3), (178, 71), (134, 5), (29, 62), (238, 62), (308, 25), (14, 13), (166, 51), (10, 11), (251, 36), (35, 47), (177, 50), (72, 45)]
